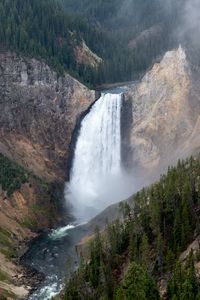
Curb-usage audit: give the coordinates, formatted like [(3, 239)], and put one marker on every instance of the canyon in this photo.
[(39, 110), (165, 114), (40, 118)]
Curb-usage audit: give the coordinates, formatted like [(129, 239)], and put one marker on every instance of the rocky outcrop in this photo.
[(165, 113), (39, 110), (85, 56), (29, 209)]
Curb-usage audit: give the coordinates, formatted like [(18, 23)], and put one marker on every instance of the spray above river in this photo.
[(97, 180), (97, 177)]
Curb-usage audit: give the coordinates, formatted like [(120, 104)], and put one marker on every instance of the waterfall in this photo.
[(96, 177)]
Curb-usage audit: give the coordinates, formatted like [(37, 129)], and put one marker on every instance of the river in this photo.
[(97, 180)]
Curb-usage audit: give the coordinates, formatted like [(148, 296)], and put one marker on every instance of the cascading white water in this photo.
[(97, 180), (97, 177)]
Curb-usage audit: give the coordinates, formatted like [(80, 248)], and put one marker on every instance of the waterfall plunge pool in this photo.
[(97, 179), (54, 255)]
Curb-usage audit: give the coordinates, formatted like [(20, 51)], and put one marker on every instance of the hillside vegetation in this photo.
[(41, 29), (26, 201), (130, 258), (139, 32), (12, 176), (128, 37), (26, 206)]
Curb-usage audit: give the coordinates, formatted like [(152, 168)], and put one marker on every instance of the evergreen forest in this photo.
[(135, 254), (128, 37)]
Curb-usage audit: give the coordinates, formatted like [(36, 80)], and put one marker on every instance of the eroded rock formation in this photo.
[(165, 113), (23, 214), (39, 110)]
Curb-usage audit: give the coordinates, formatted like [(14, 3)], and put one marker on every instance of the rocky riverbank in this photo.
[(28, 205)]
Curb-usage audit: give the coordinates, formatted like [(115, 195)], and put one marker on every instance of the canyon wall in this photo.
[(39, 110), (27, 205), (165, 108)]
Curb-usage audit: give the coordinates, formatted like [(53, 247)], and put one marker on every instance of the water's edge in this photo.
[(53, 254)]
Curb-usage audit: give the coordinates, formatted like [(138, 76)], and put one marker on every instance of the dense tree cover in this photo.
[(41, 28), (11, 175), (137, 285), (183, 284), (123, 21), (158, 225)]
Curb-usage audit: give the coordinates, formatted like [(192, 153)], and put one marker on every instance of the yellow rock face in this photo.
[(85, 56), (165, 114)]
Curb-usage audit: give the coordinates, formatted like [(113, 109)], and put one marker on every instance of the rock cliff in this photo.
[(165, 113), (27, 205), (39, 110)]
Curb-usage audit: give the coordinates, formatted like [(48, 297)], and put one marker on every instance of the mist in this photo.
[(98, 178), (88, 191), (188, 31), (90, 198), (191, 17)]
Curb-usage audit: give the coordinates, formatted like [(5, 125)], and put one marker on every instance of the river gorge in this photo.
[(97, 180), (102, 149)]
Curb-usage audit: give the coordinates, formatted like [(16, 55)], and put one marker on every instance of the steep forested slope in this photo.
[(127, 35), (117, 14), (140, 31), (142, 250), (41, 29)]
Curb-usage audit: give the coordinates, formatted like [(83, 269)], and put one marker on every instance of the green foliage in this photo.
[(137, 285), (4, 276), (149, 240), (29, 223), (4, 238), (95, 260), (11, 175), (9, 252), (6, 244), (41, 28), (123, 22), (5, 295), (184, 284)]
